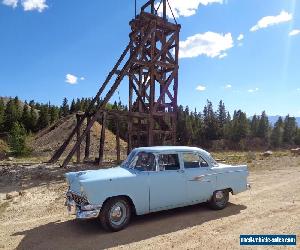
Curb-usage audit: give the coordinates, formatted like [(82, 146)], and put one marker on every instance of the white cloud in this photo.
[(253, 90), (210, 44), (185, 7), (11, 3), (240, 37), (294, 32), (38, 5), (28, 5), (72, 79), (201, 88), (272, 20), (228, 86), (298, 89)]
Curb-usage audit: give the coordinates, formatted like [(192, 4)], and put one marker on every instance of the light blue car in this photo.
[(152, 179)]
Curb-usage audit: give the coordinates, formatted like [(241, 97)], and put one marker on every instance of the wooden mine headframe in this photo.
[(151, 63)]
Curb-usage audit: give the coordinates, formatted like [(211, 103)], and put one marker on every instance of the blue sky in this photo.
[(245, 52)]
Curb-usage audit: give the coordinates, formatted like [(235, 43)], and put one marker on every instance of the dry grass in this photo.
[(233, 157)]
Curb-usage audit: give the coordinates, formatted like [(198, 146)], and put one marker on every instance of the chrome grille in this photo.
[(80, 200)]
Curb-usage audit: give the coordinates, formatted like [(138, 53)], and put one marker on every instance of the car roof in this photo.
[(171, 148)]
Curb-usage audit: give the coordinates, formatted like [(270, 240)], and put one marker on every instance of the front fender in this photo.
[(137, 189)]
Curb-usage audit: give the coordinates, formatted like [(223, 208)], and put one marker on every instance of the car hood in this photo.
[(75, 178), (101, 174)]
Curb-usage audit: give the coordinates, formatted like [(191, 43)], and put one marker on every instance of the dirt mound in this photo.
[(47, 141)]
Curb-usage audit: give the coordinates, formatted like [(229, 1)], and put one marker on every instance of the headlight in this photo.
[(81, 189)]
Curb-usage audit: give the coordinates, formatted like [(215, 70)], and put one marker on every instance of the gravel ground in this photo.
[(37, 219)]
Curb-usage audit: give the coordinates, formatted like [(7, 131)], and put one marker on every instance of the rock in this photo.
[(267, 153), (10, 158), (12, 195), (23, 193), (2, 156), (295, 151)]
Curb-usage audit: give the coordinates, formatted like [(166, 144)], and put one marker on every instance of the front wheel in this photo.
[(219, 200), (115, 214)]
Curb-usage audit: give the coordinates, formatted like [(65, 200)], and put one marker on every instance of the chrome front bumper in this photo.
[(82, 211)]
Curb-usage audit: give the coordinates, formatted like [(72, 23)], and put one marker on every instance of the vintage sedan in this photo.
[(152, 179)]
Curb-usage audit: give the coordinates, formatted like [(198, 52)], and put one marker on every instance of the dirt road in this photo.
[(37, 219)]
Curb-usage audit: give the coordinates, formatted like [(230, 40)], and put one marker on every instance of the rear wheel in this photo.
[(219, 200), (115, 214)]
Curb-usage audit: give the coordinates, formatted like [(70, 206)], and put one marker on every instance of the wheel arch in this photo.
[(128, 198)]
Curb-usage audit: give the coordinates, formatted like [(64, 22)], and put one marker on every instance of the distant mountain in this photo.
[(273, 119)]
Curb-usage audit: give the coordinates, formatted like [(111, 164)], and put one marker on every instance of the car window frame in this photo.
[(169, 153), (196, 153), (193, 153), (146, 171)]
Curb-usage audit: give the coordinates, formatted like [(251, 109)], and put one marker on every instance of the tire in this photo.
[(115, 214), (219, 200)]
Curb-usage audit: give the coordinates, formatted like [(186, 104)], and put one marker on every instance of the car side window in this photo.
[(168, 162), (192, 160), (144, 161)]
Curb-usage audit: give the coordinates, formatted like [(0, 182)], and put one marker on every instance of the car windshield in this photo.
[(126, 163), (212, 161)]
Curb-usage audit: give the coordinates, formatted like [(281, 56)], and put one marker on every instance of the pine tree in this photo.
[(73, 107), (2, 109), (44, 118), (221, 114), (239, 126), (26, 117), (33, 120), (263, 126), (297, 137), (65, 107), (32, 104), (78, 105), (210, 122), (17, 140), (289, 129), (18, 107), (11, 114), (277, 132), (54, 114), (254, 125)]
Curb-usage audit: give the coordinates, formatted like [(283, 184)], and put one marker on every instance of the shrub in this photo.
[(17, 140)]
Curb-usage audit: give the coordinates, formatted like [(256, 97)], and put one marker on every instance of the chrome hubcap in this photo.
[(219, 195), (118, 213)]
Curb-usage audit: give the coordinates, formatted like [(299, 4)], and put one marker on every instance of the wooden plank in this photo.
[(77, 138), (129, 139), (118, 149), (87, 141), (102, 139)]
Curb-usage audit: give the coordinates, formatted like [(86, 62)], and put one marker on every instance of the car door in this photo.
[(167, 184), (200, 179)]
